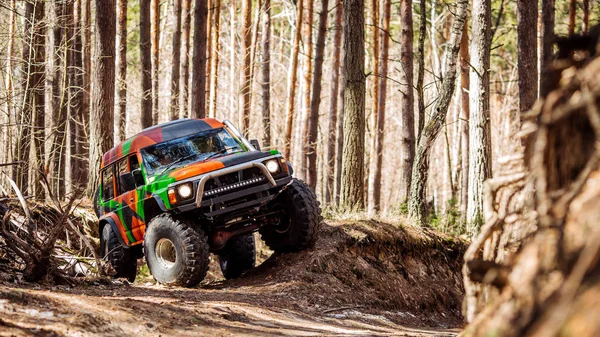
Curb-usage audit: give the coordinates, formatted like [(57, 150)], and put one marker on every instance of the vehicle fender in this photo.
[(107, 220), (290, 168)]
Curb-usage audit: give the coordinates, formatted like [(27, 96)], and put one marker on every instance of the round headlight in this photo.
[(273, 166), (184, 191)]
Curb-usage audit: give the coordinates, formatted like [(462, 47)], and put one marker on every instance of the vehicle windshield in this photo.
[(161, 157)]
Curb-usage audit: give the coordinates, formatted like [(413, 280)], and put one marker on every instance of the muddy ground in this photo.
[(362, 278)]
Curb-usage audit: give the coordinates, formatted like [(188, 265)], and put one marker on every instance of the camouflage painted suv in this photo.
[(186, 188)]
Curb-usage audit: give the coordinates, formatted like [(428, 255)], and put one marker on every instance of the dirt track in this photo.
[(360, 280)]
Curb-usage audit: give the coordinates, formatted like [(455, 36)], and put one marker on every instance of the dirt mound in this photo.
[(409, 274)]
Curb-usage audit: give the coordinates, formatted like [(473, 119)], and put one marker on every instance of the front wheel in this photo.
[(299, 221), (176, 252)]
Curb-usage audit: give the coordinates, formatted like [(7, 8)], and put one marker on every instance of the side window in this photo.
[(121, 169), (107, 184)]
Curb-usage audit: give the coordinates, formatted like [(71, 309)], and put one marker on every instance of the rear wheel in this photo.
[(122, 259), (176, 252), (299, 221), (238, 256)]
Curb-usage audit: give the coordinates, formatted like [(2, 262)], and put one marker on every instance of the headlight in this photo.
[(272, 166), (184, 191)]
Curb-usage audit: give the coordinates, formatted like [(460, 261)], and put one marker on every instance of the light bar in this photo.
[(234, 186)]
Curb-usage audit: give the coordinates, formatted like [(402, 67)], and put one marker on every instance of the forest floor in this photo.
[(362, 278)]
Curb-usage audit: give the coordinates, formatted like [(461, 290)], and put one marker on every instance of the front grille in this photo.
[(241, 179)]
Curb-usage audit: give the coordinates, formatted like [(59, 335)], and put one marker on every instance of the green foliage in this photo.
[(451, 222)]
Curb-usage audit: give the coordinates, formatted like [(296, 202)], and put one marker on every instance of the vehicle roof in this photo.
[(157, 134)]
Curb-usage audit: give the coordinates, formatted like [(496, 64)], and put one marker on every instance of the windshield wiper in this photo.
[(222, 151), (177, 162)]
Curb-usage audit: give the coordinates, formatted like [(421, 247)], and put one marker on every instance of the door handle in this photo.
[(130, 199)]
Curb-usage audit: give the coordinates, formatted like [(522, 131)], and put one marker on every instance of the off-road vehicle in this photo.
[(191, 187)]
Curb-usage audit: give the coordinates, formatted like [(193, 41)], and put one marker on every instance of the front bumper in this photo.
[(235, 201)]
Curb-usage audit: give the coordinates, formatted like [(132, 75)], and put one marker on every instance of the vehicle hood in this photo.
[(202, 167)]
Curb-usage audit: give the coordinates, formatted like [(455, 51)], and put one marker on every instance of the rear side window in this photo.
[(108, 191), (121, 169)]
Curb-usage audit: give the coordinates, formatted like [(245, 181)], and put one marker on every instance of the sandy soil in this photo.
[(361, 280)]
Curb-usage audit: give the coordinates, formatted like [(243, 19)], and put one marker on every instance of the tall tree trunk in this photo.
[(246, 83), (7, 118), (198, 104), (465, 82), (313, 119), (175, 61), (586, 17), (102, 114), (527, 13), (352, 193), (37, 99), (233, 59), (333, 105), (155, 58), (266, 74), (53, 80), (146, 62), (384, 38), (373, 186), (407, 146), (572, 16), (302, 160), (77, 97), (417, 209), (82, 127), (292, 76), (121, 65), (214, 72), (421, 67), (185, 60), (547, 36), (480, 156)]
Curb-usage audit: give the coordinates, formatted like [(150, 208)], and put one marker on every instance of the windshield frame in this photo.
[(162, 169)]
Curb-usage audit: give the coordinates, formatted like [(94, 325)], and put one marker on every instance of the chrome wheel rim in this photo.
[(166, 253)]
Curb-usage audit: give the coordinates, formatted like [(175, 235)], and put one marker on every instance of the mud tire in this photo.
[(298, 228), (238, 256), (122, 259), (187, 263)]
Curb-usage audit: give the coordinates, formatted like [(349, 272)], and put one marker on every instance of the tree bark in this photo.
[(313, 118), (7, 118), (155, 58), (266, 74), (547, 36), (421, 67), (480, 157), (307, 37), (465, 82), (146, 63), (176, 61), (407, 145), (37, 99), (373, 186), (214, 72), (121, 65), (527, 13), (352, 193), (198, 104), (246, 83), (292, 76), (585, 22), (102, 114), (333, 105), (417, 209), (185, 60), (572, 16)]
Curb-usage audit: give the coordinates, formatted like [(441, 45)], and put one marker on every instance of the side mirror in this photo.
[(127, 181), (138, 177), (255, 143)]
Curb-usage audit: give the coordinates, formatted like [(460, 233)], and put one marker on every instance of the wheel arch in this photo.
[(109, 221)]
